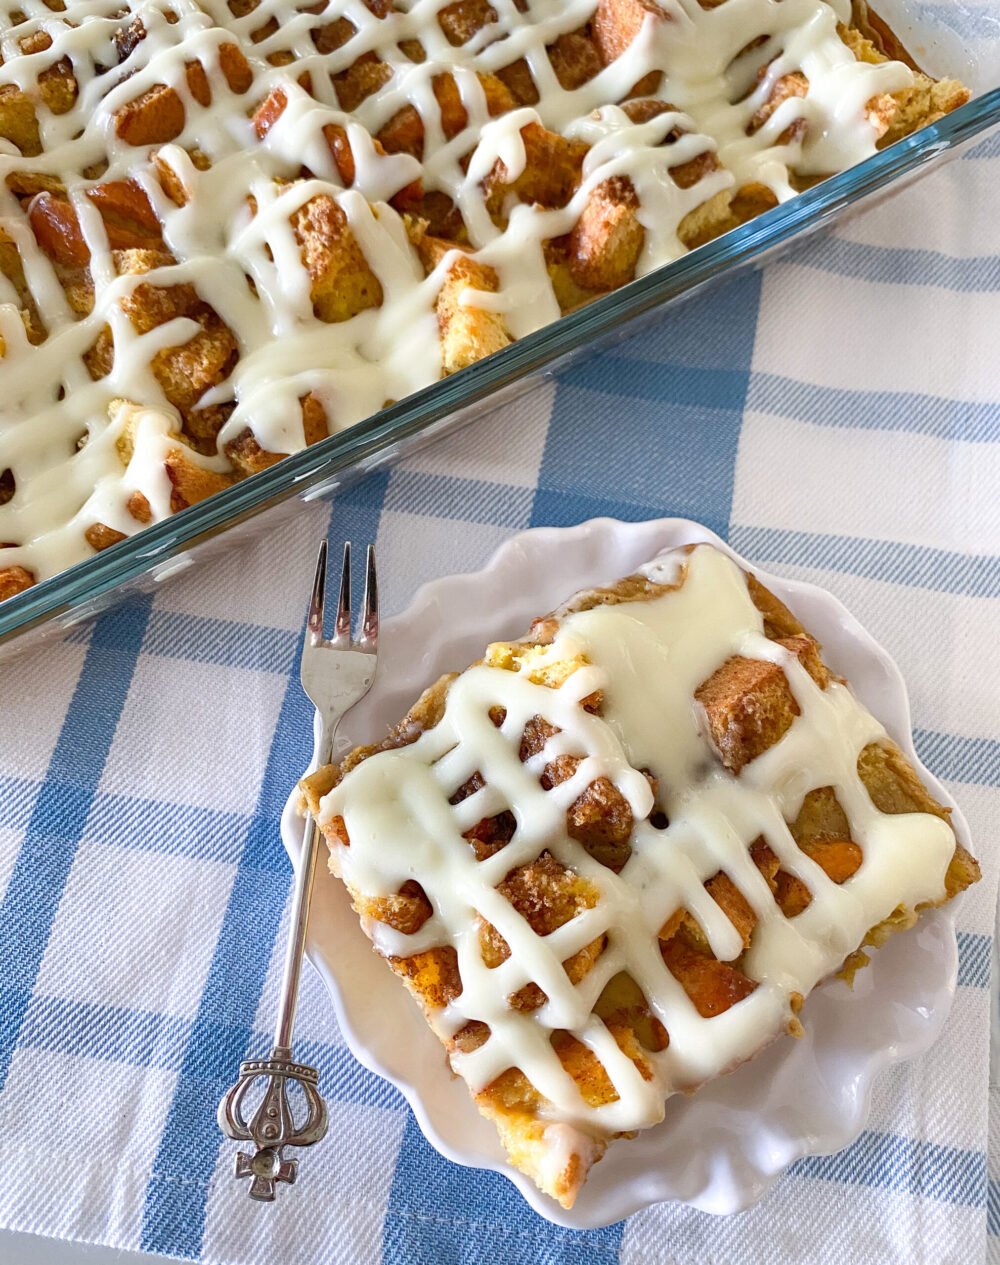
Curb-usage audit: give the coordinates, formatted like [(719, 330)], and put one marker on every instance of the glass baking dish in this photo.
[(946, 38)]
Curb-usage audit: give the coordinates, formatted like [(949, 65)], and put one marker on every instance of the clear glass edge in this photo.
[(346, 451)]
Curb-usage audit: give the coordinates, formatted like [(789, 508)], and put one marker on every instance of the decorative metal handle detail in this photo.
[(272, 1126)]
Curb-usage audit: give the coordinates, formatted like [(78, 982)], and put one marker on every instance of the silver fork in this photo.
[(335, 674)]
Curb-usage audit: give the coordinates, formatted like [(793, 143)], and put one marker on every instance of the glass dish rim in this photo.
[(358, 447)]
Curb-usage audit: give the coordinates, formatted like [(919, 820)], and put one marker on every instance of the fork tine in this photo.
[(318, 599), (342, 627), (369, 621)]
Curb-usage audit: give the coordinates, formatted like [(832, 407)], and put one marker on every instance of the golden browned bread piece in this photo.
[(468, 332), (749, 704), (729, 739), (14, 580)]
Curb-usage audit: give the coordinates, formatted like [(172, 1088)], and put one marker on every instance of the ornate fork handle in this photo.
[(335, 675), (272, 1126)]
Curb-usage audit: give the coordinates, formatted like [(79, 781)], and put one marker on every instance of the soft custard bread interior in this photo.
[(230, 228), (612, 859)]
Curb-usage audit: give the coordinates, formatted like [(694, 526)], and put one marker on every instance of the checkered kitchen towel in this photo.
[(838, 418)]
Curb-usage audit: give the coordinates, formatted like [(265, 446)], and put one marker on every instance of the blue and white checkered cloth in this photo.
[(837, 417)]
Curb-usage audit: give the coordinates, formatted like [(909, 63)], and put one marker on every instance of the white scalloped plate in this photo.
[(721, 1148)]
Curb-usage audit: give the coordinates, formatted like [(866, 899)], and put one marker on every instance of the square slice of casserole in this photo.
[(612, 859)]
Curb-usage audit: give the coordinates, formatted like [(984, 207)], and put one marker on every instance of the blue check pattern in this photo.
[(837, 417)]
